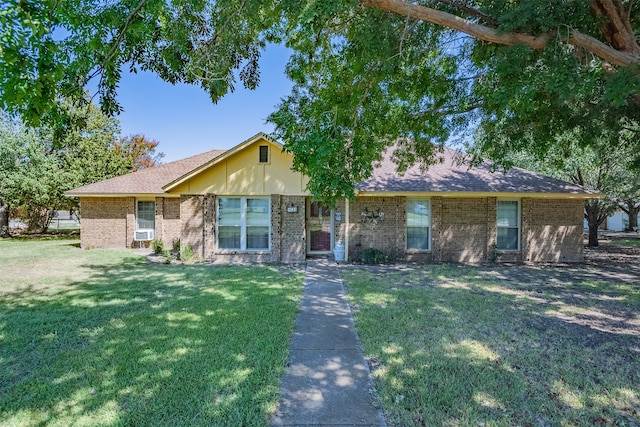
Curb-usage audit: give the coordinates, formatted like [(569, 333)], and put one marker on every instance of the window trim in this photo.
[(138, 201), (519, 227), (243, 224), (429, 227)]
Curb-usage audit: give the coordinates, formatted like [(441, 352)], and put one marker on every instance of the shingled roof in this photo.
[(146, 181), (449, 176), (454, 175)]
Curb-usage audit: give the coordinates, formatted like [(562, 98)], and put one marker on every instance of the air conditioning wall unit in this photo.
[(144, 235)]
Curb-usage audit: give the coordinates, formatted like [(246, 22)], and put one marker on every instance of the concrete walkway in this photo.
[(327, 381)]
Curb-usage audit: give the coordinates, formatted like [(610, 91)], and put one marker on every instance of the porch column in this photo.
[(346, 230)]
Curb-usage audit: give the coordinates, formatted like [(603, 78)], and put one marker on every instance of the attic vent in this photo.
[(264, 154), (143, 235)]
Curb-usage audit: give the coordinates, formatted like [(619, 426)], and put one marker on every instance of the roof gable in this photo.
[(246, 169), (225, 156)]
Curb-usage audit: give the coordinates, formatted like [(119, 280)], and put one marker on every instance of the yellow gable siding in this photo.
[(242, 173)]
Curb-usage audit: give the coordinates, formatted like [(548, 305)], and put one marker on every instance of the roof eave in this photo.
[(499, 194), (94, 194)]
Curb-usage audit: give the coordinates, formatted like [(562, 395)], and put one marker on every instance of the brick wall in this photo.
[(291, 230), (462, 229), (131, 222), (105, 222), (192, 223), (171, 226), (209, 232), (387, 235), (552, 230), (159, 219)]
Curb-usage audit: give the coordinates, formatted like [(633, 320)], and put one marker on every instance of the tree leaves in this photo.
[(365, 78), (36, 169)]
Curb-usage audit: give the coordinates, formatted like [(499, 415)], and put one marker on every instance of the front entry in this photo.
[(319, 228)]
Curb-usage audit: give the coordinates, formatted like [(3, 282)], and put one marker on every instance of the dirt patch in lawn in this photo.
[(597, 300), (505, 344), (615, 255)]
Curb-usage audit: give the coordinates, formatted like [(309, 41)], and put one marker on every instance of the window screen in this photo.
[(146, 215), (418, 225), (508, 225)]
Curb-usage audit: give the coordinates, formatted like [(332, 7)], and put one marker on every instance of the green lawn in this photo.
[(101, 337), (629, 242), (501, 346)]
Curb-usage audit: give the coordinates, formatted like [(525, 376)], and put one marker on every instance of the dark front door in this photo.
[(319, 225)]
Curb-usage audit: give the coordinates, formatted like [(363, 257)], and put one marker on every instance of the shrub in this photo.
[(376, 256), (494, 254), (158, 246), (175, 246), (186, 254)]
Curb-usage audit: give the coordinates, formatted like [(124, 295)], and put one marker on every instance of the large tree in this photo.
[(29, 174), (36, 170), (368, 74), (10, 141), (512, 73), (599, 165)]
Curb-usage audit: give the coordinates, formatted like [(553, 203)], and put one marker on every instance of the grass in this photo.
[(629, 242), (61, 225), (101, 337), (503, 346)]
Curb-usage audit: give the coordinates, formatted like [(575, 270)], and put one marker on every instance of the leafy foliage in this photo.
[(158, 246), (139, 151), (598, 166), (368, 74), (52, 49), (376, 256), (35, 171), (366, 81)]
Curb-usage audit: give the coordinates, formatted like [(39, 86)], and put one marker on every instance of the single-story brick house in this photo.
[(247, 204)]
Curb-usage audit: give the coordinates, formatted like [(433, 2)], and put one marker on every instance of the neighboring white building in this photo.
[(617, 221)]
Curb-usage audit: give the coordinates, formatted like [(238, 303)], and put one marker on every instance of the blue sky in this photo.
[(185, 121)]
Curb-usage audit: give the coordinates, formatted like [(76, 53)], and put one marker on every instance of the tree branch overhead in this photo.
[(629, 56)]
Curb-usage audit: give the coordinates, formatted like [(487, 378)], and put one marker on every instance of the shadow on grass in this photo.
[(501, 346), (148, 345)]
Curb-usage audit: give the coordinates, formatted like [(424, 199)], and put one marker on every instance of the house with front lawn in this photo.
[(246, 204)]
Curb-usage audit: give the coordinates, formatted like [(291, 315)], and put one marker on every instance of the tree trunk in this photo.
[(593, 234), (595, 215), (4, 219), (38, 219), (631, 208), (633, 216)]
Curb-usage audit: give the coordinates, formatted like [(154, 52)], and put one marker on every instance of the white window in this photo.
[(244, 223), (146, 215), (508, 225), (418, 225)]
